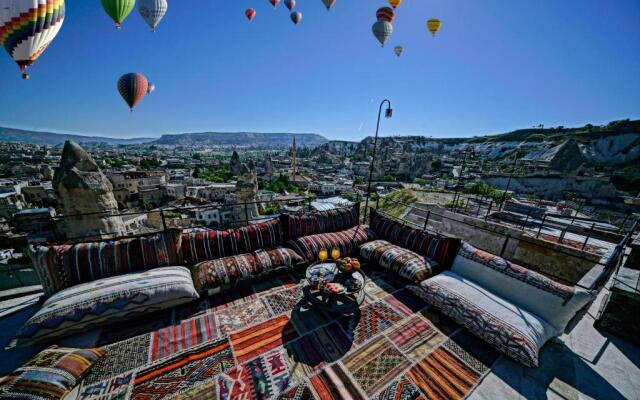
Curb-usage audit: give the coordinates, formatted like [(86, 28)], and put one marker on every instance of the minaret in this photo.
[(294, 165)]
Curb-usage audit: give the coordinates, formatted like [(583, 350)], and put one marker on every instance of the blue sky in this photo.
[(496, 65)]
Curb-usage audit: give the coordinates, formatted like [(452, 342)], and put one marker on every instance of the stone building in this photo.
[(82, 188)]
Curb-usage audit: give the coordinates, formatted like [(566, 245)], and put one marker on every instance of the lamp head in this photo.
[(388, 113)]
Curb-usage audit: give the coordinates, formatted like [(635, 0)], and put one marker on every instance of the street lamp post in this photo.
[(388, 114)]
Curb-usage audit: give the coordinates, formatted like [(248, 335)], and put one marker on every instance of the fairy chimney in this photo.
[(81, 188)]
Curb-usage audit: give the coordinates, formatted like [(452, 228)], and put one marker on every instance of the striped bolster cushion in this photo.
[(209, 245), (441, 249), (312, 223), (347, 241), (63, 266)]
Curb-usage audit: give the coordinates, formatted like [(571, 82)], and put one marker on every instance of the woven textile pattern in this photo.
[(515, 271), (438, 248), (260, 378), (415, 337), (347, 241), (63, 266), (209, 245), (441, 375), (230, 271), (183, 336), (401, 389), (313, 223), (120, 357), (50, 374), (333, 383), (118, 298), (259, 339), (376, 364), (395, 259), (505, 338), (183, 371)]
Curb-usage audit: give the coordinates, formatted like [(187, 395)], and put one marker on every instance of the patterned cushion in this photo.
[(209, 245), (402, 262), (347, 241), (439, 248), (212, 276), (51, 374), (66, 265), (313, 223), (554, 302), (507, 327), (108, 300)]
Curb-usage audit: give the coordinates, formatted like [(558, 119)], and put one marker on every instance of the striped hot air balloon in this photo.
[(133, 87), (118, 10), (296, 17), (152, 11), (385, 14), (27, 27), (433, 25), (382, 30), (250, 13), (328, 3), (395, 3)]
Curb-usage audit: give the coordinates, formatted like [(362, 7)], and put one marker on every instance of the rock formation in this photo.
[(235, 165), (269, 169), (246, 192), (81, 188)]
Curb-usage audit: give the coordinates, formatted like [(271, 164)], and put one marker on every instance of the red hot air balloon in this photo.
[(132, 88), (274, 3), (385, 14), (250, 13), (296, 17)]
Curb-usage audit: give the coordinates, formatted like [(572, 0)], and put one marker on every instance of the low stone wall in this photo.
[(552, 259)]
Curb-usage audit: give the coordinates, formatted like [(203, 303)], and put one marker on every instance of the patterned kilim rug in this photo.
[(266, 342)]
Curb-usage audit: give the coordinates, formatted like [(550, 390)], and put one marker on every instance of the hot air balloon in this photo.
[(385, 14), (151, 88), (152, 11), (395, 3), (118, 10), (250, 13), (382, 30), (132, 88), (398, 50), (27, 27), (433, 25), (328, 3), (296, 17), (290, 4), (274, 3)]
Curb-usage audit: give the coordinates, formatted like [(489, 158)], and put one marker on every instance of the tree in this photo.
[(147, 205), (389, 178), (358, 180), (420, 181), (436, 164)]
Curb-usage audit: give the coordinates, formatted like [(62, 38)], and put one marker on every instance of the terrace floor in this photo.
[(264, 341)]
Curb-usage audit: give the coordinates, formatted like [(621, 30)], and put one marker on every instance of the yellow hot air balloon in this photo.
[(395, 3), (433, 25)]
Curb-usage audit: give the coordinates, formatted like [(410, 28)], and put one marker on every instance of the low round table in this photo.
[(333, 303)]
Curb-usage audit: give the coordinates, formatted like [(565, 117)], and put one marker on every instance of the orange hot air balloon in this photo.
[(250, 13), (395, 3)]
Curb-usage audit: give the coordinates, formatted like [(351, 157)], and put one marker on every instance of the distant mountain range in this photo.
[(56, 139), (242, 139), (222, 139)]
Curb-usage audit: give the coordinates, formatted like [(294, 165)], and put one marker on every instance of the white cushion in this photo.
[(107, 300), (507, 327), (554, 302)]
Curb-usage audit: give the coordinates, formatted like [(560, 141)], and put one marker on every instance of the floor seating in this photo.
[(514, 309)]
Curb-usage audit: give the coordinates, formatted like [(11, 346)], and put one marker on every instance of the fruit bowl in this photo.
[(348, 265)]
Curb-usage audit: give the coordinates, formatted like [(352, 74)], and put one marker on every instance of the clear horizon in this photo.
[(493, 68)]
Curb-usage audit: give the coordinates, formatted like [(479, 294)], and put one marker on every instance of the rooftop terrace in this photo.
[(265, 341)]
